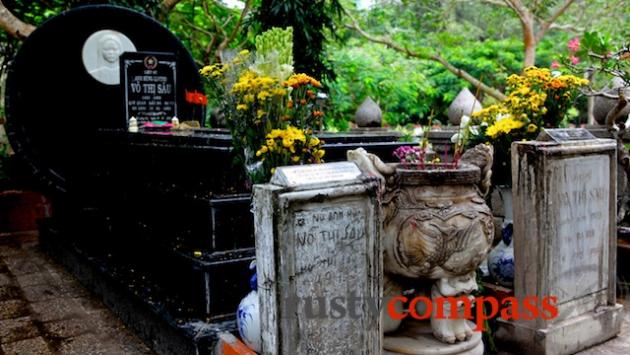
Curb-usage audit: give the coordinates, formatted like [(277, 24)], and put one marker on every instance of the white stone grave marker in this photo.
[(564, 193), (317, 246)]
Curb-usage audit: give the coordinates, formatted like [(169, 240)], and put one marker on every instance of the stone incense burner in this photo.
[(436, 230)]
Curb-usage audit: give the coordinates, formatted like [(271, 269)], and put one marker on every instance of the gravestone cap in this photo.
[(316, 174), (565, 135)]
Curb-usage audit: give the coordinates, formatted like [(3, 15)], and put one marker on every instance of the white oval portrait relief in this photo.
[(100, 55)]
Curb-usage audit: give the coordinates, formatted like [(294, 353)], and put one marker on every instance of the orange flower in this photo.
[(297, 80), (196, 98)]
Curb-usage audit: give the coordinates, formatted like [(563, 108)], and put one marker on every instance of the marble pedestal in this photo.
[(415, 337), (566, 337)]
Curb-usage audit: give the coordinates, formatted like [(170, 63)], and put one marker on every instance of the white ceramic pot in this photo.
[(501, 258), (248, 321), (248, 315)]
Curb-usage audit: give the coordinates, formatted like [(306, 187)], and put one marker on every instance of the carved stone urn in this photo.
[(437, 229)]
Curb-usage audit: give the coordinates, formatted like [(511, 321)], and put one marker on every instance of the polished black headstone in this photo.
[(149, 83), (55, 107)]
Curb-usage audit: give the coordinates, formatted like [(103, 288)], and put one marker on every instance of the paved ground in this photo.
[(44, 310)]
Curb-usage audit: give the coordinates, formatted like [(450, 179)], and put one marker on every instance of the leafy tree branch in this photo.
[(13, 25), (165, 8), (436, 57), (529, 22), (236, 28)]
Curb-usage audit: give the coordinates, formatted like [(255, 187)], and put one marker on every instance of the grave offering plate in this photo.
[(63, 86)]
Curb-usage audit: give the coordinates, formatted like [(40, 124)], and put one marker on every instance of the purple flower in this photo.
[(408, 154)]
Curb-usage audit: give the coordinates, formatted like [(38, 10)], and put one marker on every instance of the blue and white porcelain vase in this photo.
[(248, 316), (501, 258)]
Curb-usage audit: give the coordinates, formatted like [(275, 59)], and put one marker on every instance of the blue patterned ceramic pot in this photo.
[(501, 258), (248, 316)]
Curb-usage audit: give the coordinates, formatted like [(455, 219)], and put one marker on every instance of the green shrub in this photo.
[(396, 83), (411, 90)]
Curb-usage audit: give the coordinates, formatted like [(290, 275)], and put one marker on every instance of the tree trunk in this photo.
[(530, 55), (13, 25), (529, 41)]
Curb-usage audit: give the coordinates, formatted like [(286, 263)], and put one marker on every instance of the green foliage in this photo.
[(597, 53), (407, 133), (409, 89), (36, 12), (396, 83), (274, 53), (492, 61), (203, 24), (276, 42), (595, 42), (309, 20), (482, 39)]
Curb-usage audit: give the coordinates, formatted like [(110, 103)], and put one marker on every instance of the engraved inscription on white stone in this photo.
[(292, 176), (100, 55), (580, 192), (331, 262)]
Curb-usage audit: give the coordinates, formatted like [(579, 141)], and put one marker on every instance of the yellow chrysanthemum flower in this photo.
[(531, 128), (504, 126), (262, 150)]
